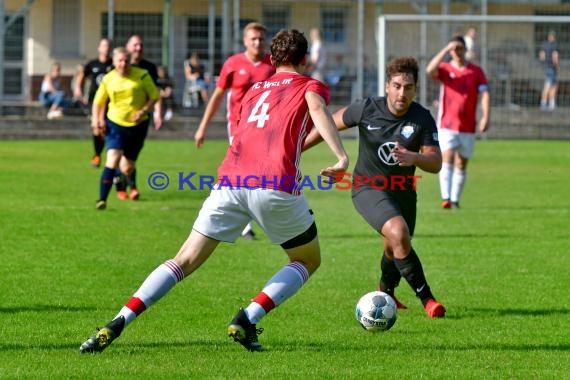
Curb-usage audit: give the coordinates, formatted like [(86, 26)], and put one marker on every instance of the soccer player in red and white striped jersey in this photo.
[(238, 73), (463, 84), (274, 120), (276, 116)]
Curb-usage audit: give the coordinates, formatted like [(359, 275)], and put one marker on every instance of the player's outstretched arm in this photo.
[(485, 111), (431, 68), (314, 137), (79, 80), (327, 129), (211, 109), (98, 116), (157, 115), (428, 159)]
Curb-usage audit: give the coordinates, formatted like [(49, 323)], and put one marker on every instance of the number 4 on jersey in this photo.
[(259, 111)]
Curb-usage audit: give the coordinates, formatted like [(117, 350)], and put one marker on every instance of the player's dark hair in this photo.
[(458, 38), (402, 65), (289, 47)]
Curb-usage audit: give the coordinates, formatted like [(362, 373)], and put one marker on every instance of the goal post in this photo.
[(508, 52)]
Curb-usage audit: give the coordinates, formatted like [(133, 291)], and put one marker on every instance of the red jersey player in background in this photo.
[(277, 114), (462, 85), (238, 73)]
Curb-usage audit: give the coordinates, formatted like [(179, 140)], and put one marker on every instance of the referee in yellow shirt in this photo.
[(131, 94)]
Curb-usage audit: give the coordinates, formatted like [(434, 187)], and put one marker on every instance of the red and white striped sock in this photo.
[(280, 287), (156, 285)]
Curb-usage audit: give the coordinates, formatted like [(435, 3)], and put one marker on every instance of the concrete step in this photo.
[(505, 124), (79, 127), (33, 109)]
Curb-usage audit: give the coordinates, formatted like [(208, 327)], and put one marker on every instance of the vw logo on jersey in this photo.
[(386, 155), (407, 131)]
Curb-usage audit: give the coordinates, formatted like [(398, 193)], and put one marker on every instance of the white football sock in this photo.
[(459, 178), (445, 177), (278, 289), (156, 285)]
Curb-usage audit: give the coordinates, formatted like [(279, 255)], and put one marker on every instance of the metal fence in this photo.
[(172, 29)]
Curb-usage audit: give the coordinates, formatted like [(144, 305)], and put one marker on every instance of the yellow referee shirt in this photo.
[(126, 95)]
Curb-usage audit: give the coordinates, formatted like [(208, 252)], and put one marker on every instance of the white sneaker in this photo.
[(168, 115), (54, 114)]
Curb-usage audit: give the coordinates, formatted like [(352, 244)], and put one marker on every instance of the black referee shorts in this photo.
[(379, 206), (128, 139)]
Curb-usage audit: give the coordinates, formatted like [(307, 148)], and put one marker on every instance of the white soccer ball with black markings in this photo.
[(376, 311)]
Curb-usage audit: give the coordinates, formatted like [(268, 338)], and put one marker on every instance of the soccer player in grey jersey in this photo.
[(396, 135)]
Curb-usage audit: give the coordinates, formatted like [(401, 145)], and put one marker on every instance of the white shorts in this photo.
[(227, 211), (462, 143)]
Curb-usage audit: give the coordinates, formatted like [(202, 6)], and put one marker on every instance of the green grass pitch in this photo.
[(500, 265)]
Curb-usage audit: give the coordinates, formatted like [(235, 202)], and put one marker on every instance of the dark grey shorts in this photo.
[(377, 207)]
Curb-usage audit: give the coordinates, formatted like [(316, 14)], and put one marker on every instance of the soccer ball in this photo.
[(376, 311)]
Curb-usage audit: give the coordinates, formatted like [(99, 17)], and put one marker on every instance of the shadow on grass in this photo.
[(45, 308), (288, 346), (372, 235), (521, 312), (125, 345), (282, 346), (507, 312), (519, 207), (468, 236)]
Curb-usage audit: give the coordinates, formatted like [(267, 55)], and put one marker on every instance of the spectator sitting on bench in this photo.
[(165, 86), (52, 95), (196, 82)]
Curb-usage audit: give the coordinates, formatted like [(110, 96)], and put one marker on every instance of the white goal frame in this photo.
[(481, 20)]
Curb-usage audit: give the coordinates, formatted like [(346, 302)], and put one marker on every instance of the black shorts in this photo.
[(128, 139), (378, 206)]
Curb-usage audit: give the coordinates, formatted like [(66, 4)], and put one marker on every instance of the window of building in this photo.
[(276, 18), (14, 57), (66, 29), (147, 25), (333, 24), (197, 40), (14, 40), (13, 81)]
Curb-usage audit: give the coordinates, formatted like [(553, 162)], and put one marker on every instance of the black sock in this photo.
[(411, 269), (390, 277), (132, 179), (106, 183), (98, 144), (119, 180)]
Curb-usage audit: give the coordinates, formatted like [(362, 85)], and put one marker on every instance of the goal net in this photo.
[(507, 49)]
